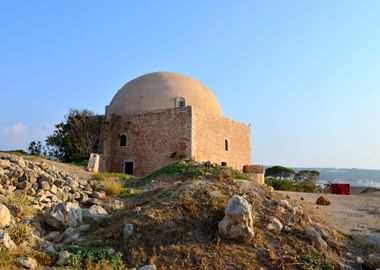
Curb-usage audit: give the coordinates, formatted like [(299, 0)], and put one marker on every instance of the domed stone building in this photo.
[(162, 117)]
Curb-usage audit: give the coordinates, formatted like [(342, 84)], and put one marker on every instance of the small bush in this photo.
[(316, 261), (82, 163), (93, 258), (112, 186), (21, 232)]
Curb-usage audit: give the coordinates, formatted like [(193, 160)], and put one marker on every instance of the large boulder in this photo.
[(237, 222), (5, 216), (64, 215), (94, 213)]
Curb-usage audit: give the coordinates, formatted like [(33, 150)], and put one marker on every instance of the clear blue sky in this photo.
[(305, 74)]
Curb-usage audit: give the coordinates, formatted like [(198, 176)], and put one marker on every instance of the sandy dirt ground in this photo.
[(357, 216)]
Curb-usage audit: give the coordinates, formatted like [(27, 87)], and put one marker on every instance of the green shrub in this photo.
[(278, 171), (288, 185), (92, 258), (82, 163), (316, 261)]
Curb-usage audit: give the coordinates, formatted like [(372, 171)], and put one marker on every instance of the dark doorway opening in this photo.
[(128, 167), (224, 163)]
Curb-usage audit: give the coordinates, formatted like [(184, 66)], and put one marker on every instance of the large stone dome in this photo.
[(162, 90)]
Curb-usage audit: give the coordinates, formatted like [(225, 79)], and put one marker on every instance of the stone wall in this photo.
[(209, 133), (154, 139), (159, 138)]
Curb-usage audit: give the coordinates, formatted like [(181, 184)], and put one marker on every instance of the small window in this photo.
[(224, 163), (123, 140), (180, 102), (226, 145)]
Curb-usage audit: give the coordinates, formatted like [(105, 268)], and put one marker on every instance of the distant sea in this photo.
[(355, 177)]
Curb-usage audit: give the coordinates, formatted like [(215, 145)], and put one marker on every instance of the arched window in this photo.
[(123, 140), (180, 102), (226, 145)]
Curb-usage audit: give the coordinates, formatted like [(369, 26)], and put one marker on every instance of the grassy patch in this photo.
[(107, 175), (316, 262), (128, 194), (287, 185), (8, 258), (171, 169), (92, 258), (190, 171)]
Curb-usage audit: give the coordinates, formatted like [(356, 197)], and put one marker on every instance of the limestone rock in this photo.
[(315, 237), (94, 213), (372, 261), (148, 267), (275, 225), (113, 204), (27, 262), (70, 235), (6, 241), (54, 236), (322, 200), (45, 185), (64, 215), (237, 222), (63, 257), (5, 216), (128, 230)]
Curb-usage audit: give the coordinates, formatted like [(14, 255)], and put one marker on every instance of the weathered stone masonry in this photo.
[(162, 117), (154, 139)]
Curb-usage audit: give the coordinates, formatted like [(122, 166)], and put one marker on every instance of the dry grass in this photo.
[(23, 203), (8, 259), (20, 233), (177, 226), (112, 186)]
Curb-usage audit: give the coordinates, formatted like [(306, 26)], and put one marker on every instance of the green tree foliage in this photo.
[(306, 176), (37, 148), (278, 171), (288, 185), (77, 137)]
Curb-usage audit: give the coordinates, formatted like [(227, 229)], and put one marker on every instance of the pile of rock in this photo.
[(284, 216), (64, 206), (45, 185)]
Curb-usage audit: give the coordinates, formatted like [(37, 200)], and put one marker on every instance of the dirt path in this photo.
[(355, 215)]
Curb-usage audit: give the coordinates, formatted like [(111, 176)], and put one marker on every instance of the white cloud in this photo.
[(18, 135), (15, 130)]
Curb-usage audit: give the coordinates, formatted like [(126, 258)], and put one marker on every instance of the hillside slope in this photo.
[(168, 220)]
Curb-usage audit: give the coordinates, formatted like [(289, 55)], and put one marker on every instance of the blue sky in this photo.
[(305, 74)]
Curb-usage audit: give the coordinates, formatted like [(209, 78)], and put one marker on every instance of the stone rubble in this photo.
[(237, 222), (70, 204)]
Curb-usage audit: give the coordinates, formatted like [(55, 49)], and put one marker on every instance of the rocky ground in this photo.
[(185, 216), (356, 216)]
